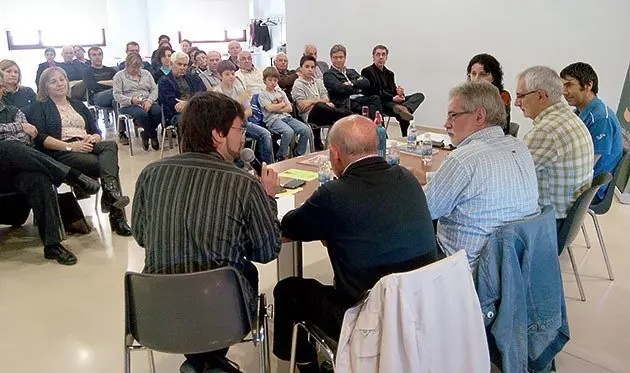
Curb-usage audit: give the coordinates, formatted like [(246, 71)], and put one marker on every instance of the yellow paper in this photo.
[(299, 174), (289, 192)]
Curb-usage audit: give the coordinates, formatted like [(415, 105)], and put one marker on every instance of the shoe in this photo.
[(80, 226), (155, 144), (123, 139), (60, 254), (118, 222), (112, 195), (188, 367), (402, 113), (87, 184), (145, 141)]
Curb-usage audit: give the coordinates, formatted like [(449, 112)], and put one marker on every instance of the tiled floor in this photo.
[(70, 319)]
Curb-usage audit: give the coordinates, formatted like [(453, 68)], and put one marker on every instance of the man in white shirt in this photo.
[(251, 76)]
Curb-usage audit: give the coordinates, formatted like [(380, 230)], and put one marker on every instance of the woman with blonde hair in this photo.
[(69, 134), (15, 94)]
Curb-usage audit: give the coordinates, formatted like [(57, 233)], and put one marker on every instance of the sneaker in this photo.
[(155, 144), (145, 141), (123, 139)]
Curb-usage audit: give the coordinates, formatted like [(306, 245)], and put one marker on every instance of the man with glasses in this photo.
[(393, 98), (213, 214), (487, 182), (249, 74), (559, 142), (133, 47)]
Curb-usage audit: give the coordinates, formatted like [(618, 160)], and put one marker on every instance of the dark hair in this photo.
[(164, 37), (307, 58), (50, 50), (187, 41), (165, 43), (205, 112), (225, 66), (131, 43), (162, 52), (490, 65), (80, 48), (583, 73), (338, 48), (380, 46), (92, 49), (270, 72)]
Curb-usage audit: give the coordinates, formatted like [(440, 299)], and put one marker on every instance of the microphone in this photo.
[(247, 156)]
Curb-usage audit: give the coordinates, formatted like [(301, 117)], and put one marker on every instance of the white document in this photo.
[(441, 137), (285, 204)]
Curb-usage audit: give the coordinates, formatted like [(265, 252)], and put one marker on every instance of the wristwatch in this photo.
[(68, 149)]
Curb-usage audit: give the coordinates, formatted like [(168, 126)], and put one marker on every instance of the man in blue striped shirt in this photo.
[(488, 181)]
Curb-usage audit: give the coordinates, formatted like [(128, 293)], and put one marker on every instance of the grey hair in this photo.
[(338, 48), (280, 54), (341, 136), (309, 46), (543, 78), (177, 55), (483, 94)]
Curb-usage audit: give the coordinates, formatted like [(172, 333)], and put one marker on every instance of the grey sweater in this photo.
[(126, 88), (308, 90)]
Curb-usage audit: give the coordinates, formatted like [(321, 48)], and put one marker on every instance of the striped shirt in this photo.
[(487, 182), (562, 149), (11, 128), (194, 212)]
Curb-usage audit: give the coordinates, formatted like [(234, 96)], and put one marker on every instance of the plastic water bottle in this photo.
[(323, 171), (412, 138), (382, 135), (426, 148)]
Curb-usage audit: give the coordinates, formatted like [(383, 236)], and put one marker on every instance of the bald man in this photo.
[(74, 70), (287, 77), (320, 66), (249, 74), (234, 49), (375, 221)]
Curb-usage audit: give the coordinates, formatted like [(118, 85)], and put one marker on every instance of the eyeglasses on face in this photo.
[(520, 96), (450, 117)]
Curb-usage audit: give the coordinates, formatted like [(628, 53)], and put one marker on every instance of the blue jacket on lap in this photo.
[(519, 285)]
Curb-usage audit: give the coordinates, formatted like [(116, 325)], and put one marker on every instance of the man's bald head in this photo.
[(67, 53), (245, 60), (234, 48), (351, 138)]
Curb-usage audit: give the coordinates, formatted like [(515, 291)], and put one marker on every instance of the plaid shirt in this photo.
[(487, 182), (13, 130), (563, 153)]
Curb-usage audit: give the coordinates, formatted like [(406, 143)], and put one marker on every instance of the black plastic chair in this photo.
[(170, 130), (513, 129), (573, 224), (191, 313)]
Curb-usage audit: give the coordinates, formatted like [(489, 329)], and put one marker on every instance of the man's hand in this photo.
[(81, 147), (269, 180), (347, 83), (93, 139), (420, 173), (30, 129), (400, 91), (330, 104), (146, 105), (180, 105), (398, 99)]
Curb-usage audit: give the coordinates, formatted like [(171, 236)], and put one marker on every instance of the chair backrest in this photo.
[(622, 169), (513, 129), (573, 222), (186, 313), (257, 114)]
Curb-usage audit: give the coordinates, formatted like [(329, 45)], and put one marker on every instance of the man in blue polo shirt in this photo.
[(580, 91)]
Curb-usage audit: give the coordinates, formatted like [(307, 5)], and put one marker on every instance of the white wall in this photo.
[(431, 42)]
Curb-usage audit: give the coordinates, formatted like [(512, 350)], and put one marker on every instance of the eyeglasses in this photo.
[(520, 96), (452, 116), (242, 129), (482, 74)]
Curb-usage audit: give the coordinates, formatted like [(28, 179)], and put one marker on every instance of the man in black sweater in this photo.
[(383, 84), (374, 221), (98, 80), (346, 88)]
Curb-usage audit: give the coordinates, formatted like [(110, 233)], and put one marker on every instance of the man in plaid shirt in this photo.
[(559, 141)]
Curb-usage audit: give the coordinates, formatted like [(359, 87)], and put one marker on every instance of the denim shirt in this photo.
[(520, 290)]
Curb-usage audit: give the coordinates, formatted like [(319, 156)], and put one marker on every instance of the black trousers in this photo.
[(101, 163), (323, 115), (411, 102), (372, 102), (34, 175), (301, 299)]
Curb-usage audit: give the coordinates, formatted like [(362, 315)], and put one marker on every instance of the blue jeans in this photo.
[(149, 121), (263, 141), (104, 99), (288, 127)]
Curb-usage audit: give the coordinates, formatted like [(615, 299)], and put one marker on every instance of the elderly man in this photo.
[(287, 77), (487, 182), (383, 84), (234, 49), (211, 77), (133, 47), (320, 66), (346, 88), (394, 235), (74, 72), (98, 80), (559, 141), (580, 90), (176, 88), (249, 74), (213, 214)]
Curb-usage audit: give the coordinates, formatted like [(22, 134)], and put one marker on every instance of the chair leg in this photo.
[(577, 274), (387, 123), (600, 237), (98, 216), (164, 131), (293, 348), (151, 361), (129, 136), (127, 360), (588, 241)]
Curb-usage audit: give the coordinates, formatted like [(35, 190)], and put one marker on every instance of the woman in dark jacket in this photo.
[(164, 56), (50, 62), (68, 133), (16, 94)]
